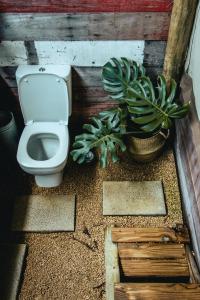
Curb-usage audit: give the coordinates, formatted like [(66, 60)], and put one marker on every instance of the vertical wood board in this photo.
[(111, 264)]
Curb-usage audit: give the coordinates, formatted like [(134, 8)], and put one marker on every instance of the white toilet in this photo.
[(46, 103)]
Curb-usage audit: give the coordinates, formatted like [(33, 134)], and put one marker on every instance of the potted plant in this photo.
[(141, 121)]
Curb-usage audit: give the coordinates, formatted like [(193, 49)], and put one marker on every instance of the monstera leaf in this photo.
[(115, 116), (118, 74), (99, 134), (150, 112)]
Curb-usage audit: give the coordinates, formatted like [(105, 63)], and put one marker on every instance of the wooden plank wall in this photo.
[(85, 6), (188, 162), (84, 34)]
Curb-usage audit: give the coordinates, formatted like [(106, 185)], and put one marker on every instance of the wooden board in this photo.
[(128, 235), (188, 161), (154, 52), (182, 19), (112, 275), (155, 267), (85, 6), (89, 97), (150, 250), (87, 26), (194, 272), (76, 53), (157, 291)]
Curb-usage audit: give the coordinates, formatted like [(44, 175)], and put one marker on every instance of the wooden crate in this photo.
[(151, 263)]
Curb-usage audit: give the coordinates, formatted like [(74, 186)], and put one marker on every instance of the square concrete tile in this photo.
[(36, 213), (133, 198), (11, 258)]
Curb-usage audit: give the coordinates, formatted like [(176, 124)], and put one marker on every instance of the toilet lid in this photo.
[(43, 98)]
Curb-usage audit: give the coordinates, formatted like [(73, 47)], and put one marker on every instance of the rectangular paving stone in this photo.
[(37, 213), (11, 266), (133, 198)]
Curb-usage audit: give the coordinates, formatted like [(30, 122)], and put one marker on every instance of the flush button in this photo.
[(42, 69)]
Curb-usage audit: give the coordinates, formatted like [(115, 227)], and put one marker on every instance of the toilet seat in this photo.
[(35, 128)]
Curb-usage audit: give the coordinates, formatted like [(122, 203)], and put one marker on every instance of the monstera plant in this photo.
[(143, 111)]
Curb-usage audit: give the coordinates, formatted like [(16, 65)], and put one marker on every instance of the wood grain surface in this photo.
[(155, 268), (148, 250), (128, 235), (86, 26), (85, 5), (157, 291)]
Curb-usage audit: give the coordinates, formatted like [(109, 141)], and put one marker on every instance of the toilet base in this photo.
[(49, 181)]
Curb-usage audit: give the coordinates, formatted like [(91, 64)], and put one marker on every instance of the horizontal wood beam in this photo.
[(155, 268), (81, 53), (161, 291), (85, 6), (148, 250), (160, 234), (85, 26)]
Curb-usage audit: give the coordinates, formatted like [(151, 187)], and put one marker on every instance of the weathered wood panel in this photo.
[(85, 5), (194, 272), (154, 53), (71, 27), (83, 77), (157, 291), (88, 95), (155, 267), (129, 235), (188, 162), (182, 19), (135, 250), (77, 53), (112, 275), (89, 98)]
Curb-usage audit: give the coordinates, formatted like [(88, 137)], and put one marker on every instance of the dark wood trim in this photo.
[(85, 26), (85, 6)]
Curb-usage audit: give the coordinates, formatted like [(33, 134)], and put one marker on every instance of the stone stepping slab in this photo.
[(37, 213), (133, 198)]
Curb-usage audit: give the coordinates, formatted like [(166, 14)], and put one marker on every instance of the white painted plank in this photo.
[(12, 53), (87, 53), (111, 264), (77, 53)]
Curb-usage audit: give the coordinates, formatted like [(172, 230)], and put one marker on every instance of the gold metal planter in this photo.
[(147, 149)]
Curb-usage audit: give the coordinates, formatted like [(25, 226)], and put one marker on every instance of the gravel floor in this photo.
[(71, 265)]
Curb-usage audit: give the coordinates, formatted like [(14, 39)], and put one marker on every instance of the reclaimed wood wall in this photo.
[(84, 34), (188, 136), (188, 163)]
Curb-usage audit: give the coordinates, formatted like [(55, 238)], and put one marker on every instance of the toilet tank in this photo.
[(32, 95)]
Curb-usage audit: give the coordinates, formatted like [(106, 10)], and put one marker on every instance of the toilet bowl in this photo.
[(45, 100)]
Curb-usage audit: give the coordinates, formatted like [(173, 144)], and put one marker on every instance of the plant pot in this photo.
[(147, 149), (8, 133)]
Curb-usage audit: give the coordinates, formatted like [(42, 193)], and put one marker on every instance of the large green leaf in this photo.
[(104, 135), (118, 74), (151, 112), (116, 118)]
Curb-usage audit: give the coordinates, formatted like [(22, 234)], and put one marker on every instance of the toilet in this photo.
[(45, 97)]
